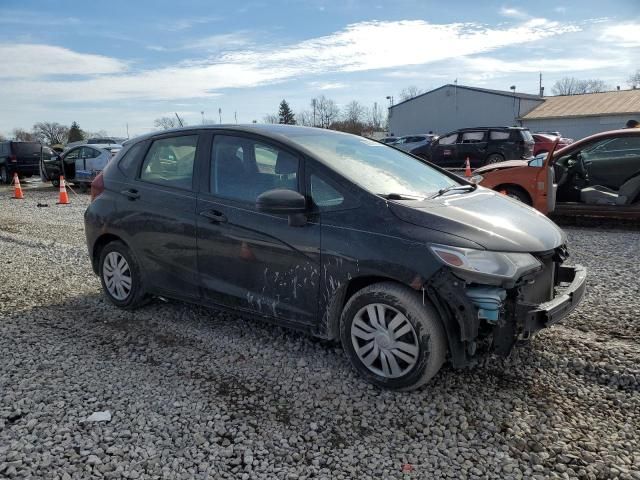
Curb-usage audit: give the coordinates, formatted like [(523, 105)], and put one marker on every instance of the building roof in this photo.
[(618, 102), (504, 93)]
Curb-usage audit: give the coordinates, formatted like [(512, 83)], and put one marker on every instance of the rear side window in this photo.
[(129, 162), (26, 148), (472, 137), (169, 162), (499, 135), (449, 139)]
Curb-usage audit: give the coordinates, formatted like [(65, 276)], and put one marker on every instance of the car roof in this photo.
[(625, 132), (489, 128)]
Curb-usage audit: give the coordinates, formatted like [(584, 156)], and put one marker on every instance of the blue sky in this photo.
[(106, 64)]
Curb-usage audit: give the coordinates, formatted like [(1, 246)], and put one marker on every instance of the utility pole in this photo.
[(127, 129), (202, 113), (220, 114), (235, 115), (313, 102)]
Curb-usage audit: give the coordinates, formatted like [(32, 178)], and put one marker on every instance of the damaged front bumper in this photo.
[(468, 326)]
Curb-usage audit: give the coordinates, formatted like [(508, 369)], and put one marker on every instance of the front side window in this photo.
[(243, 168), (323, 194), (169, 162), (618, 147), (73, 154), (449, 139), (375, 167)]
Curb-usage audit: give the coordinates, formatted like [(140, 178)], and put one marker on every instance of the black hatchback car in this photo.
[(334, 234), (481, 145)]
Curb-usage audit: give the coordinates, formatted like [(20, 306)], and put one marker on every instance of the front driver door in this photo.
[(472, 145), (248, 259), (443, 152)]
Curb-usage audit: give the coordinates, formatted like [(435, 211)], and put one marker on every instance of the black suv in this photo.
[(334, 234), (481, 145), (22, 158)]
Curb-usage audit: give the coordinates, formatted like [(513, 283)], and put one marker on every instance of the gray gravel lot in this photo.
[(198, 394)]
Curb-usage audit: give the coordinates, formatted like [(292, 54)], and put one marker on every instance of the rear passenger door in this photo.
[(248, 259), (157, 210)]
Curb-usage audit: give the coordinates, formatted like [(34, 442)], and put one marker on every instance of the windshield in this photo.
[(375, 167)]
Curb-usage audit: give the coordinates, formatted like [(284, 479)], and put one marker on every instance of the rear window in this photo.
[(26, 148), (129, 162), (526, 135)]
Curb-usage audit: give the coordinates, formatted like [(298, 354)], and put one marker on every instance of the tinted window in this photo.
[(375, 167), (472, 137), (449, 139), (526, 135), (129, 162), (323, 194), (169, 161), (614, 147), (499, 135), (243, 168), (20, 148)]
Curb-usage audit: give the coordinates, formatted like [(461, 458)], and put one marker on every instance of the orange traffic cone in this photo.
[(64, 197), (17, 189), (467, 169)]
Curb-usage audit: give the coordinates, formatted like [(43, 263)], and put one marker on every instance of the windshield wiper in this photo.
[(399, 196), (452, 188)]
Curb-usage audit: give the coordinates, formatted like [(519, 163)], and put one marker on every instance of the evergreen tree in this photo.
[(75, 133), (285, 115)]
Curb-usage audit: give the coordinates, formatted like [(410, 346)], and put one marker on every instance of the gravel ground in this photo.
[(198, 394)]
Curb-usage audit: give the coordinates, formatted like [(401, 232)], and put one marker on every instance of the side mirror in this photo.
[(285, 202)]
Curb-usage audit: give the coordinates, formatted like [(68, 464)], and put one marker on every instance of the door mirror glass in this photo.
[(281, 201)]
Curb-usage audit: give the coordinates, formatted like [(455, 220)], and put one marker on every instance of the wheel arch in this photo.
[(101, 242), (513, 186)]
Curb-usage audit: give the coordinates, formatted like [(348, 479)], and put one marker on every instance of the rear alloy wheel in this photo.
[(120, 276), (494, 158), (391, 338)]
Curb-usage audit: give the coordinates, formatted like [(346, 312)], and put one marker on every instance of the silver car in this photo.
[(410, 142), (79, 164)]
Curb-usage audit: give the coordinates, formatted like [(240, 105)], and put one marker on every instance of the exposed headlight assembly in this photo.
[(485, 266)]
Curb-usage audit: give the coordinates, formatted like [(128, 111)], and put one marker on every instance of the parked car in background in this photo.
[(333, 234), (79, 165), (388, 139), (22, 158), (598, 175), (544, 142), (413, 143), (481, 145)]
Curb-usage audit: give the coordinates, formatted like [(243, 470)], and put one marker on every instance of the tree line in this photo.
[(54, 133)]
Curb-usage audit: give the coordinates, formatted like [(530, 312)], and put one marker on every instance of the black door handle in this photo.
[(214, 215), (132, 194)]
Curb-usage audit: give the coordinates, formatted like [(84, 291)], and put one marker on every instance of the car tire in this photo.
[(55, 182), (494, 158), (4, 175), (384, 358), (517, 194), (121, 282)]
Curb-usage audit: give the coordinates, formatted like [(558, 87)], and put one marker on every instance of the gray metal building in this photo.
[(451, 107), (577, 116)]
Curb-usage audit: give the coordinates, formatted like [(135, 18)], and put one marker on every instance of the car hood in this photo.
[(500, 166), (485, 217)]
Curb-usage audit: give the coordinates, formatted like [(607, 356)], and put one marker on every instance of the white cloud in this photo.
[(33, 60), (327, 85), (624, 34), (512, 13), (546, 65), (359, 47)]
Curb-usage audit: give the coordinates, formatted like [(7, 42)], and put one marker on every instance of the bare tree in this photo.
[(2, 138), (354, 112), (271, 118), (305, 118), (165, 123), (410, 92), (51, 133), (634, 80), (574, 86), (22, 135), (376, 117), (326, 111)]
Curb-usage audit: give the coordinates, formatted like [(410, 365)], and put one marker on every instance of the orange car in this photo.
[(598, 175)]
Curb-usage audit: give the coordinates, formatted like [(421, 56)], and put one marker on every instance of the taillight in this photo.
[(13, 159), (97, 186)]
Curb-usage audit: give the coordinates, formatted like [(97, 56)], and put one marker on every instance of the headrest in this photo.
[(286, 163)]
